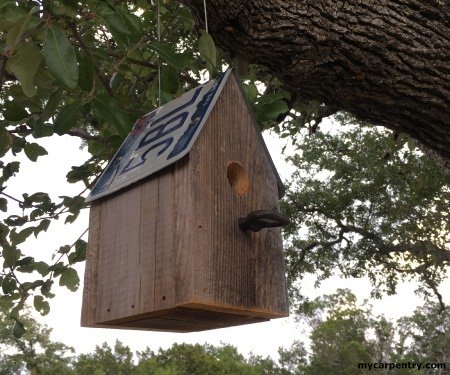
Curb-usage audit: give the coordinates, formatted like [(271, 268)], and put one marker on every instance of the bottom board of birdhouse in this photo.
[(183, 319)]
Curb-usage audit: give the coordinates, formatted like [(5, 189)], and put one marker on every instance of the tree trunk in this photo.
[(385, 61)]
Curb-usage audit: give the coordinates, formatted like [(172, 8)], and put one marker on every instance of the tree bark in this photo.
[(385, 61)]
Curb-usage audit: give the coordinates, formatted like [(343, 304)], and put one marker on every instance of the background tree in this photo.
[(294, 360), (34, 352), (105, 360), (342, 333), (203, 359), (345, 332), (367, 203), (425, 335)]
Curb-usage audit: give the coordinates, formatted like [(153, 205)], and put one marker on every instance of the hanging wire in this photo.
[(159, 58), (206, 16)]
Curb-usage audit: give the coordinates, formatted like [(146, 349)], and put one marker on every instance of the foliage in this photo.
[(426, 334), (364, 201), (34, 352), (105, 360), (201, 359), (345, 333)]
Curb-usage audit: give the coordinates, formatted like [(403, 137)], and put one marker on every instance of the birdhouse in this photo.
[(184, 222)]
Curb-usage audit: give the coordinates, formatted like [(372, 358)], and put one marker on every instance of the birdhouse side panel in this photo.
[(231, 177)]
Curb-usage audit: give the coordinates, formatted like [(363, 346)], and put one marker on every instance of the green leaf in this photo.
[(79, 173), (76, 204), (112, 114), (3, 205), (67, 118), (46, 288), (57, 269), (5, 143), (15, 220), (18, 329), (14, 111), (207, 48), (9, 285), (39, 197), (20, 237), (18, 144), (4, 3), (41, 129), (22, 25), (43, 226), (251, 91), (80, 252), (411, 144), (11, 255), (165, 51), (33, 151), (41, 305), (114, 18), (10, 169), (87, 70), (10, 14), (124, 26), (25, 265), (26, 261), (169, 80), (44, 80), (41, 268), (60, 57), (64, 249), (6, 303), (270, 111), (71, 218), (69, 278), (25, 64), (270, 98), (52, 105)]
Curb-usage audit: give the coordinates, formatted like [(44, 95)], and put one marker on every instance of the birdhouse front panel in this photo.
[(167, 252)]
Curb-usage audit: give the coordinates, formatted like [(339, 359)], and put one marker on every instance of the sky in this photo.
[(48, 175)]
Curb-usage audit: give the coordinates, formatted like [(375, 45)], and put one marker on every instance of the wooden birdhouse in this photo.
[(183, 229)]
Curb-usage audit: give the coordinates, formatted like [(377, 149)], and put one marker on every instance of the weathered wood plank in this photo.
[(89, 304), (147, 245), (164, 295), (183, 203), (118, 275)]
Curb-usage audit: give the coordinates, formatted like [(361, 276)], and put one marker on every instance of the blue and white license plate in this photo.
[(160, 138)]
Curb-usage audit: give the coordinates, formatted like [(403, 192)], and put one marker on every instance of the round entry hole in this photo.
[(238, 178)]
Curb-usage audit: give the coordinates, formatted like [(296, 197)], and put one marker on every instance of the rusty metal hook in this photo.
[(257, 220)]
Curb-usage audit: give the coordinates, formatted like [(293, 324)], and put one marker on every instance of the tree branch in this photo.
[(82, 133), (184, 77), (432, 285), (417, 248)]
